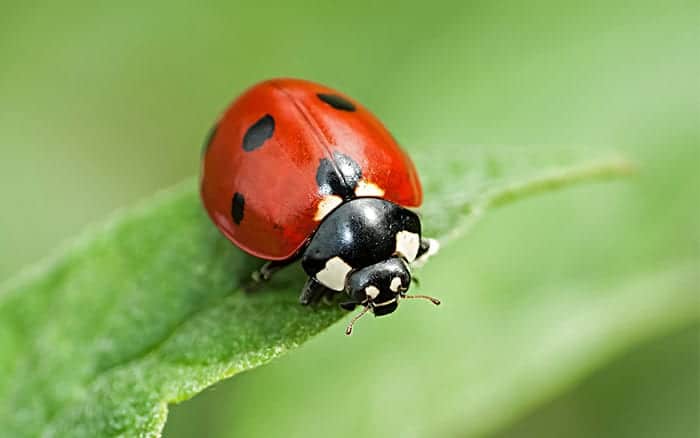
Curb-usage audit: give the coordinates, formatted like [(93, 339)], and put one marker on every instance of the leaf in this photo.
[(538, 297), (484, 359), (147, 309)]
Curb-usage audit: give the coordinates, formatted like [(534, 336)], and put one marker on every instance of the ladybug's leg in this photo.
[(268, 269), (313, 291), (428, 248)]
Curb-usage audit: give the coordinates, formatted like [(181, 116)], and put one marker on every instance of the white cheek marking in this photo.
[(333, 275), (365, 188), (372, 292), (395, 284), (432, 250), (326, 205), (407, 244)]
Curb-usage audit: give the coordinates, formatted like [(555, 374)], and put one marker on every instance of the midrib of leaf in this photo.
[(553, 179), (507, 191)]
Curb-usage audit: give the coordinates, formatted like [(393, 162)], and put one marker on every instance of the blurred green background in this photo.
[(103, 104)]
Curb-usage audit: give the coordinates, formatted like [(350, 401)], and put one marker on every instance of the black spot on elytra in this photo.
[(338, 176), (237, 206), (337, 102), (257, 134), (210, 137)]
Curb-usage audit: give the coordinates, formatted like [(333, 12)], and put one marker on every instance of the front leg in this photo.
[(313, 291), (428, 248)]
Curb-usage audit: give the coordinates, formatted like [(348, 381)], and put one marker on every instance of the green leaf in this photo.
[(147, 309), (539, 296)]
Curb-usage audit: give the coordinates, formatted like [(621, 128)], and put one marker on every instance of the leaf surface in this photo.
[(147, 310)]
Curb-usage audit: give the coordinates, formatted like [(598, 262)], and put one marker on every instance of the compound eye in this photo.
[(372, 292)]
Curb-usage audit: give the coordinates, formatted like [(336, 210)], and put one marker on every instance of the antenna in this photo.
[(348, 330), (424, 297)]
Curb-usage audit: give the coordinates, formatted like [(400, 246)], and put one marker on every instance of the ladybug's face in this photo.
[(380, 286)]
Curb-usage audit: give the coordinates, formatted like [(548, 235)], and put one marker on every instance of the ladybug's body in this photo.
[(296, 170)]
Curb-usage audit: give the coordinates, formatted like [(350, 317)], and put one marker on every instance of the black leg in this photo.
[(265, 272), (348, 305), (313, 291)]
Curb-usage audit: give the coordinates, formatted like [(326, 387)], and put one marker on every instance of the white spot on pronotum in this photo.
[(395, 284), (326, 205), (334, 273), (407, 244), (372, 292), (433, 248), (365, 188)]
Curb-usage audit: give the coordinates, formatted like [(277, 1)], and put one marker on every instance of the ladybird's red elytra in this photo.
[(296, 170), (270, 146)]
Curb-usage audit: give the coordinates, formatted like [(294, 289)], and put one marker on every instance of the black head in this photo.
[(380, 288)]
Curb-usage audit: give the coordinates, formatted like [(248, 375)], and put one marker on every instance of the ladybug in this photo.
[(294, 170)]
